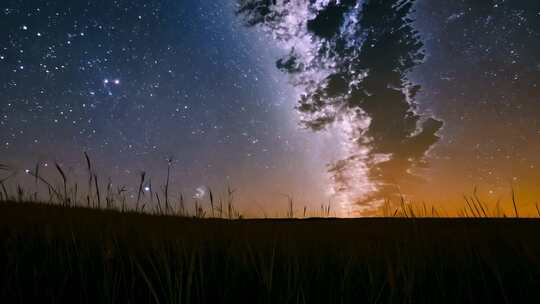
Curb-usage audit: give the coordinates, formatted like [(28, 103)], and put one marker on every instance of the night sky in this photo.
[(134, 83)]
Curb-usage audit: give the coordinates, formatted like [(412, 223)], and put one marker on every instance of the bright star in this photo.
[(199, 192)]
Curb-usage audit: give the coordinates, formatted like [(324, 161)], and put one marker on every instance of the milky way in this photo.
[(351, 60), (386, 74)]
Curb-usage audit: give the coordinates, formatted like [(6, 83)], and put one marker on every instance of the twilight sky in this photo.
[(135, 82)]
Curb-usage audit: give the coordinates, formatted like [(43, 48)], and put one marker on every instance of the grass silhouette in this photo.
[(91, 247)]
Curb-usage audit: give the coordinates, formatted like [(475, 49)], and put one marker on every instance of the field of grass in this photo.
[(62, 242), (59, 254)]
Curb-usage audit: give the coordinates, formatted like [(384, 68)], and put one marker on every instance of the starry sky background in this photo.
[(482, 78), (135, 82)]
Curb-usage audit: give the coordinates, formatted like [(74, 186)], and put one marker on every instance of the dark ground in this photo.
[(52, 254)]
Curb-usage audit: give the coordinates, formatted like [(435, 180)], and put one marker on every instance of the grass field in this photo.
[(59, 254)]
